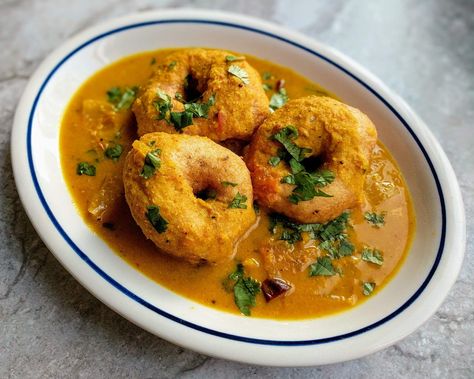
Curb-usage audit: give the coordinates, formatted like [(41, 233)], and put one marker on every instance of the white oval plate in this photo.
[(396, 311)]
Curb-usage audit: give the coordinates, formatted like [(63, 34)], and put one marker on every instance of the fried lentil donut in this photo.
[(341, 139), (237, 102), (195, 201)]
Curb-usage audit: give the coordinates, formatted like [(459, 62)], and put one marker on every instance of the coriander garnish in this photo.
[(368, 288), (322, 267), (180, 120), (372, 255), (307, 184), (273, 161), (278, 99), (233, 58), (151, 164), (267, 75), (84, 168), (226, 183), (239, 72), (245, 289), (156, 219), (113, 152), (172, 65), (377, 220), (122, 99), (238, 201)]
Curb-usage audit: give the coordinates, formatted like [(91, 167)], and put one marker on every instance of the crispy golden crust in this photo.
[(341, 135), (198, 230), (239, 108)]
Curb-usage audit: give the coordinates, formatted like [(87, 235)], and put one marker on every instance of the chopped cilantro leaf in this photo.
[(267, 75), (151, 164), (273, 161), (226, 183), (335, 229), (122, 99), (163, 105), (172, 65), (114, 94), (278, 99), (307, 183), (368, 288), (239, 72), (377, 220), (156, 219), (238, 201), (245, 289), (233, 58), (266, 87), (200, 109), (373, 256), (285, 137), (114, 152), (295, 166), (207, 194), (181, 119), (153, 61), (85, 168), (322, 267), (185, 118)]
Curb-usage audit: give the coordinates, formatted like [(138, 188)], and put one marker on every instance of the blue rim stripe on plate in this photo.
[(179, 320)]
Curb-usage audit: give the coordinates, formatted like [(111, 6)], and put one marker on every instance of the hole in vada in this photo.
[(314, 163), (208, 193), (191, 91)]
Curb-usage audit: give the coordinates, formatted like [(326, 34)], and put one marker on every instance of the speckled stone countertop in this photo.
[(52, 327)]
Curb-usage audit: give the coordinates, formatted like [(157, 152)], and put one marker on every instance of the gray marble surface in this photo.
[(52, 327)]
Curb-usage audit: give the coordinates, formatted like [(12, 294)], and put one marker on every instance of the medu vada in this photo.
[(189, 195), (308, 160), (210, 93)]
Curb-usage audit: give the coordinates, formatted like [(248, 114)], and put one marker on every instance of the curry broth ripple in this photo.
[(259, 251)]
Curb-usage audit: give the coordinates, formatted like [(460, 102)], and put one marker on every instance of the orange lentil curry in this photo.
[(315, 269)]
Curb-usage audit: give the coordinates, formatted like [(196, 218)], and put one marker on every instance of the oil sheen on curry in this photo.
[(236, 183)]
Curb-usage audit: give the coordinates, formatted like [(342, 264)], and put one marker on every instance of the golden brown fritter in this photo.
[(341, 139), (190, 169), (199, 76)]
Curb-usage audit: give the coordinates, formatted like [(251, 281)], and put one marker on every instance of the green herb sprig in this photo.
[(245, 289)]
